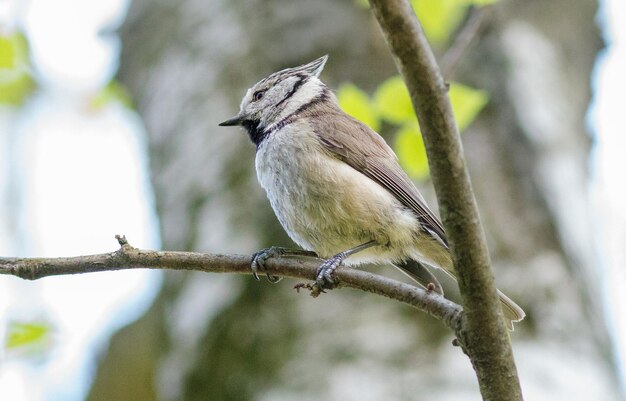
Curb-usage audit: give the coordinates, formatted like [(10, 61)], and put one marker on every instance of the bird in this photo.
[(336, 187)]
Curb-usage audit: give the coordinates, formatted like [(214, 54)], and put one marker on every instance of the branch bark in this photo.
[(128, 257), (486, 340)]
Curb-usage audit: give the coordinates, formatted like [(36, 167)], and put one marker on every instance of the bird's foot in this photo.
[(259, 259), (324, 275)]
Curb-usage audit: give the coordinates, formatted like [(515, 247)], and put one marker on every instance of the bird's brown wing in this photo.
[(367, 152), (363, 149)]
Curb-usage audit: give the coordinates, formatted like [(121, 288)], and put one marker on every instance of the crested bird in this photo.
[(335, 185)]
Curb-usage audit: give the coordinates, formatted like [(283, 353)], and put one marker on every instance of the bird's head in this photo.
[(277, 97)]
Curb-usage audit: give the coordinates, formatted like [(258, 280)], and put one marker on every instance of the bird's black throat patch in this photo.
[(257, 134)]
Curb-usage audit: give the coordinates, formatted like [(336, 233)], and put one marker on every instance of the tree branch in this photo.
[(464, 40), (486, 340), (128, 257)]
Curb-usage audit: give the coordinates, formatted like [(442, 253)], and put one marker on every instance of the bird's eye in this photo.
[(258, 95)]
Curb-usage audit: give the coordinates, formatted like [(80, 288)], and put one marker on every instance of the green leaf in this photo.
[(393, 101), (356, 103), (15, 90), (466, 103), (409, 147), (31, 335), (7, 53), (439, 18), (480, 3), (15, 80), (113, 92)]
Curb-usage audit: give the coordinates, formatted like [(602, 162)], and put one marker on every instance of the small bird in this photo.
[(336, 186)]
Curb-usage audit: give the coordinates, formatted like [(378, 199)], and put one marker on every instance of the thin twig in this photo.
[(128, 257), (464, 40)]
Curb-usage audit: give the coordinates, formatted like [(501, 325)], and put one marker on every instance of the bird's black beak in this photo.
[(237, 120)]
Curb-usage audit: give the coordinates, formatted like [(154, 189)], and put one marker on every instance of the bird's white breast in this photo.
[(327, 206)]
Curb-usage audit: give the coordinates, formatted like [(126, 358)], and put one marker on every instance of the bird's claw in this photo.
[(324, 274), (259, 259)]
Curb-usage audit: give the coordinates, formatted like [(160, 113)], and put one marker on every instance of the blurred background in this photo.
[(108, 125)]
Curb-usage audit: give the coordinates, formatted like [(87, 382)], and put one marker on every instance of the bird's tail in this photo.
[(421, 274), (418, 272), (512, 311)]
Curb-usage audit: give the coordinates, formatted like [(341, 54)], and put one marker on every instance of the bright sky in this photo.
[(82, 179), (607, 191), (78, 176)]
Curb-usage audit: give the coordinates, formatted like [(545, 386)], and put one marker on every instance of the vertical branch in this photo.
[(485, 338)]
